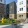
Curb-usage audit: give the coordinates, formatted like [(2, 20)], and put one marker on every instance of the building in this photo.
[(12, 10), (7, 11), (2, 1), (22, 9), (2, 9)]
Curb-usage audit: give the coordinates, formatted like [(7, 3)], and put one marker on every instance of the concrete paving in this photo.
[(22, 25), (14, 26), (7, 26)]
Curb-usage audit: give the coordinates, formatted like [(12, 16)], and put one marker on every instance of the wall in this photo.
[(20, 6)]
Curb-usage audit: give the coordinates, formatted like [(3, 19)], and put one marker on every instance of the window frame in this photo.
[(21, 9), (21, 3), (20, 15)]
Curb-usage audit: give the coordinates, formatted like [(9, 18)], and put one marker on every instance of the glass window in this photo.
[(11, 7), (27, 9), (10, 16), (21, 2), (27, 15), (10, 11), (1, 0), (27, 2), (21, 9), (20, 15)]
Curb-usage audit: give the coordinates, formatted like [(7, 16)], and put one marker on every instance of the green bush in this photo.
[(7, 21), (12, 21)]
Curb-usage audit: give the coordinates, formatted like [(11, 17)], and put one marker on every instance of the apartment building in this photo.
[(2, 9), (22, 9), (2, 1), (7, 11), (12, 10)]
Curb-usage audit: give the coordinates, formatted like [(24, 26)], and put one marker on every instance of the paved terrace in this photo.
[(14, 26)]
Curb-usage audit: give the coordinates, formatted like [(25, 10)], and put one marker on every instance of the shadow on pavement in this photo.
[(14, 26)]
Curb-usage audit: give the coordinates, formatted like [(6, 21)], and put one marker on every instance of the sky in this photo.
[(9, 1)]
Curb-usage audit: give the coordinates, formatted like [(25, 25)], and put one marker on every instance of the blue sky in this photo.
[(9, 1)]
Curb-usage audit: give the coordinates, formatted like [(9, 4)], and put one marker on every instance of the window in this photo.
[(21, 9), (11, 7), (10, 16), (21, 2), (27, 9), (27, 2), (20, 15), (27, 15), (1, 0), (10, 11), (7, 12)]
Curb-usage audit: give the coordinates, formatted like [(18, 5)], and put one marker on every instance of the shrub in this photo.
[(12, 21), (4, 20)]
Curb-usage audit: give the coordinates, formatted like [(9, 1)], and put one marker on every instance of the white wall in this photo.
[(20, 6), (3, 1)]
